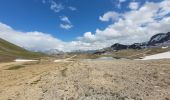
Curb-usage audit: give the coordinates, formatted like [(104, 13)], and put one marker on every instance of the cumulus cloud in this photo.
[(111, 15), (88, 37), (66, 23), (30, 40), (39, 41), (134, 5), (133, 26)]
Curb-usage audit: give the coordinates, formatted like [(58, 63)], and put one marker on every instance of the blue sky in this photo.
[(81, 22), (30, 15)]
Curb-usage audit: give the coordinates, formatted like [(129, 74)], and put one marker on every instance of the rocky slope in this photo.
[(161, 39), (158, 40)]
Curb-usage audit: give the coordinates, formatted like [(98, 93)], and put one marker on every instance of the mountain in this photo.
[(118, 46), (9, 51), (137, 46), (83, 51), (158, 40), (53, 52)]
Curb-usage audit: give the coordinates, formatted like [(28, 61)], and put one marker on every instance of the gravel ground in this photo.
[(86, 80)]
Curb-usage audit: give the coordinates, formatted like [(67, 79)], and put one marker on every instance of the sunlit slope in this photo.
[(9, 51)]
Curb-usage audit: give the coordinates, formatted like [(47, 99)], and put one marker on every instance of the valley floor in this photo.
[(86, 80)]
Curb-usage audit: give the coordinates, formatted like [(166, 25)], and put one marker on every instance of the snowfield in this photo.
[(24, 60), (165, 55)]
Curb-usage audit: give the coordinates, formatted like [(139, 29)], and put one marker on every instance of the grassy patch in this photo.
[(15, 67)]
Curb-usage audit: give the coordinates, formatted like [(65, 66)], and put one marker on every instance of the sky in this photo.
[(81, 24)]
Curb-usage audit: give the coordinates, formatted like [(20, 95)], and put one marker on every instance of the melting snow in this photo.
[(24, 60), (165, 47), (165, 55)]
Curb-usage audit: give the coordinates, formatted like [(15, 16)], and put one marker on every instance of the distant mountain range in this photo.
[(11, 51), (53, 52), (158, 40)]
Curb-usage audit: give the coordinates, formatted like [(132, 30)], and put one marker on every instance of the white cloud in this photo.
[(133, 26), (88, 37), (43, 41), (110, 16), (66, 26), (66, 23), (134, 5), (72, 8), (30, 40), (65, 19), (56, 7)]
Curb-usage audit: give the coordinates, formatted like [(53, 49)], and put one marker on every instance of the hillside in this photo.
[(9, 51)]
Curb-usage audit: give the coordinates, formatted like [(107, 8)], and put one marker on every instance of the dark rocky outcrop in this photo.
[(137, 46), (159, 38), (118, 46)]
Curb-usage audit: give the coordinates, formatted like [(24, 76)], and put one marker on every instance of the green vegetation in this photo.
[(9, 51)]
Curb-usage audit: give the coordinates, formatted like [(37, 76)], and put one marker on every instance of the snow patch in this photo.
[(24, 60), (165, 47), (165, 55)]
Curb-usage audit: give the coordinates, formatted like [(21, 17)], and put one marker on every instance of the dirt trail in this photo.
[(13, 81), (7, 64), (92, 80)]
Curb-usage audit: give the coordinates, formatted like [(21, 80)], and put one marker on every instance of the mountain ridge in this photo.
[(157, 40)]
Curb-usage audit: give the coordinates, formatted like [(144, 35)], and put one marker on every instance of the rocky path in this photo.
[(93, 80)]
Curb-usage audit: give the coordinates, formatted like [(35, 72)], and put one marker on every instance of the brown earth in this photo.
[(86, 80)]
